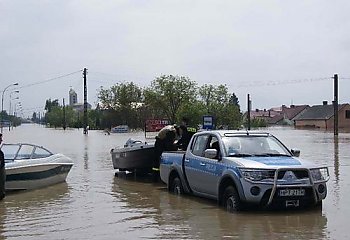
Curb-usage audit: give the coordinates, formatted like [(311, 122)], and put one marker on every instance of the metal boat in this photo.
[(120, 129), (29, 166), (134, 156)]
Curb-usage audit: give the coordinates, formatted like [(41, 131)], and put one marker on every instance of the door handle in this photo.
[(202, 164), (187, 160)]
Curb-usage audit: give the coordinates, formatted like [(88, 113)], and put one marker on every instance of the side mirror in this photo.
[(295, 152), (210, 153)]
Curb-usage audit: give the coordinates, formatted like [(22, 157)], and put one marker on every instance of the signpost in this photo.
[(155, 125), (208, 122)]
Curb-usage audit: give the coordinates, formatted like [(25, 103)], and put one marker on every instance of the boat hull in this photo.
[(139, 157), (37, 173)]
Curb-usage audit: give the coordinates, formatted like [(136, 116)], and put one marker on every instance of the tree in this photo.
[(220, 105), (124, 99), (193, 111), (234, 100), (169, 93), (50, 104), (55, 116)]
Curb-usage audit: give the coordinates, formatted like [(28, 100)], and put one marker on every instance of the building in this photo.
[(288, 114), (73, 102), (279, 115), (73, 97), (322, 116), (265, 115)]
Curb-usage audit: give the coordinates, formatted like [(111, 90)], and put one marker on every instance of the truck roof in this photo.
[(227, 133)]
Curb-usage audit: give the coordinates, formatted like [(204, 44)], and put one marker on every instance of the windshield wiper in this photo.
[(272, 155), (240, 155)]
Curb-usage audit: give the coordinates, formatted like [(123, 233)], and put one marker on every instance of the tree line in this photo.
[(168, 97)]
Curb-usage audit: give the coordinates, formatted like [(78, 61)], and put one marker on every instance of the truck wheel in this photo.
[(231, 200), (176, 186)]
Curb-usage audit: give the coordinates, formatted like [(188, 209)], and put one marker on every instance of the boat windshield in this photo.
[(23, 151), (10, 151), (250, 145)]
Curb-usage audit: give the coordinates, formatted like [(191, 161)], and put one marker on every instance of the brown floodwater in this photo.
[(95, 204)]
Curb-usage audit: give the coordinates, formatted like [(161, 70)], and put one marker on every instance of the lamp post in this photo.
[(12, 99), (2, 101), (11, 117)]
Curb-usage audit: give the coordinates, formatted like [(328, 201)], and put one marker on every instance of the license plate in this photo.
[(291, 192)]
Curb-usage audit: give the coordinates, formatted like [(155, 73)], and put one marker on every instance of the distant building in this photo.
[(73, 97), (73, 102), (278, 115), (262, 114), (288, 114), (322, 116)]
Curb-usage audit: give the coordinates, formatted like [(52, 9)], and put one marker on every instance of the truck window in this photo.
[(200, 145), (214, 144)]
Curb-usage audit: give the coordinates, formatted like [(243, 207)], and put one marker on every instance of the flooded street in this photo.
[(94, 204)]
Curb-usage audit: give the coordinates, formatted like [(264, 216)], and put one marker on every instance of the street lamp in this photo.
[(17, 91), (2, 101), (11, 117)]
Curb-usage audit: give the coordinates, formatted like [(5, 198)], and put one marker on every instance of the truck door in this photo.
[(203, 172), (192, 162), (211, 169)]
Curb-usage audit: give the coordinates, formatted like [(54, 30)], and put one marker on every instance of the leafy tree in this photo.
[(256, 123), (218, 103), (120, 96), (169, 93), (193, 111), (55, 116), (50, 104), (234, 100), (124, 99)]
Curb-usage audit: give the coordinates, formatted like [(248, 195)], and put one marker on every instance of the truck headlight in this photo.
[(258, 175), (319, 174)]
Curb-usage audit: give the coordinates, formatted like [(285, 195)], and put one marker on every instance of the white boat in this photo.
[(120, 129), (29, 166)]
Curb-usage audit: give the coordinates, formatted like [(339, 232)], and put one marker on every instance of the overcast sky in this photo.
[(280, 52)]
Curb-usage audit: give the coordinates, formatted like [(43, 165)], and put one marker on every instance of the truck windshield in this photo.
[(250, 145)]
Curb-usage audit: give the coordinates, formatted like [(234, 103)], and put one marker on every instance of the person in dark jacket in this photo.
[(2, 172), (186, 133), (165, 141), (185, 138)]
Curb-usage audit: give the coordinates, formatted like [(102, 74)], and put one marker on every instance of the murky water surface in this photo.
[(94, 204)]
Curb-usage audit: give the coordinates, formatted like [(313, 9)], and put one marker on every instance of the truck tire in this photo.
[(176, 186), (231, 200)]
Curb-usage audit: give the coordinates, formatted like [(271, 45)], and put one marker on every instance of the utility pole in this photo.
[(64, 116), (85, 103), (248, 113), (335, 104)]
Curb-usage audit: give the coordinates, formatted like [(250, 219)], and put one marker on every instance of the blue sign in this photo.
[(208, 122)]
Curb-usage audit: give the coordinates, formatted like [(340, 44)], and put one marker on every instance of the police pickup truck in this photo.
[(242, 168)]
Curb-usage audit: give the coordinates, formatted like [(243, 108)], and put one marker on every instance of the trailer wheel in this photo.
[(231, 201), (176, 186)]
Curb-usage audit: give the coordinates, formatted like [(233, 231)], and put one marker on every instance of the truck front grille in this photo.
[(299, 174)]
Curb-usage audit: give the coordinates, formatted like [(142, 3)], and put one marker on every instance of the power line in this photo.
[(49, 80), (280, 82)]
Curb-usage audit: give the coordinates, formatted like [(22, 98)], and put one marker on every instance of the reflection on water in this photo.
[(180, 217), (336, 170), (27, 212), (94, 204)]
